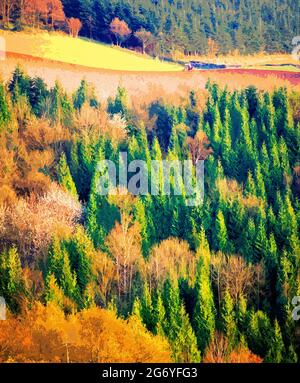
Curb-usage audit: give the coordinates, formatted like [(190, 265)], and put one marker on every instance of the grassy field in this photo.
[(63, 48)]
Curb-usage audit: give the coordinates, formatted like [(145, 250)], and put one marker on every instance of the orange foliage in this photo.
[(219, 352), (120, 29), (74, 26), (45, 334), (35, 11)]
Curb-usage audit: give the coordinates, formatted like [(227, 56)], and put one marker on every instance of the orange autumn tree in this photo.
[(74, 26), (45, 11), (120, 30), (55, 11), (220, 352), (46, 334)]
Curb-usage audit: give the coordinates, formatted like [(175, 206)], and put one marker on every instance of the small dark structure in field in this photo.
[(203, 65)]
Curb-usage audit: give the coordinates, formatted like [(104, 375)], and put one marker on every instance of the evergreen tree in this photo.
[(64, 176), (277, 350), (11, 278), (204, 311), (228, 320), (221, 236), (5, 115), (84, 94)]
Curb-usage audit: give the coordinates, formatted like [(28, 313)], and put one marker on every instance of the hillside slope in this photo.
[(61, 47)]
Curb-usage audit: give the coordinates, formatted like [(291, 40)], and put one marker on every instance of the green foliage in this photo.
[(5, 115), (84, 94), (204, 311), (232, 25), (64, 176), (11, 278), (228, 320)]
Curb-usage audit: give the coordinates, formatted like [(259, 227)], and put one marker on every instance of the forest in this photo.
[(187, 26), (112, 278)]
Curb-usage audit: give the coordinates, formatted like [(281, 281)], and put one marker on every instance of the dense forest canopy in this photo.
[(185, 25), (212, 283), (246, 25)]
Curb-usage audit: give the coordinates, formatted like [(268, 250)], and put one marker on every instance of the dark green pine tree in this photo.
[(61, 110), (276, 352), (80, 252), (147, 309), (58, 265), (259, 333), (19, 84), (171, 300), (5, 115), (119, 105), (11, 278), (84, 94), (261, 241), (185, 345), (68, 280)]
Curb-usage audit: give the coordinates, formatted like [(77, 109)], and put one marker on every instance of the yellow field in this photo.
[(63, 48)]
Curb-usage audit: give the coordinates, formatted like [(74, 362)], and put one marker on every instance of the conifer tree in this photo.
[(260, 185), (5, 115), (250, 189), (277, 350), (204, 311), (64, 176), (221, 236), (61, 110), (185, 345), (159, 314), (147, 309), (11, 277), (84, 94), (120, 104), (228, 320), (53, 293)]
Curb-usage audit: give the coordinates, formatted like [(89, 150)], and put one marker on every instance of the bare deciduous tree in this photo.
[(145, 37), (199, 147), (232, 273)]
